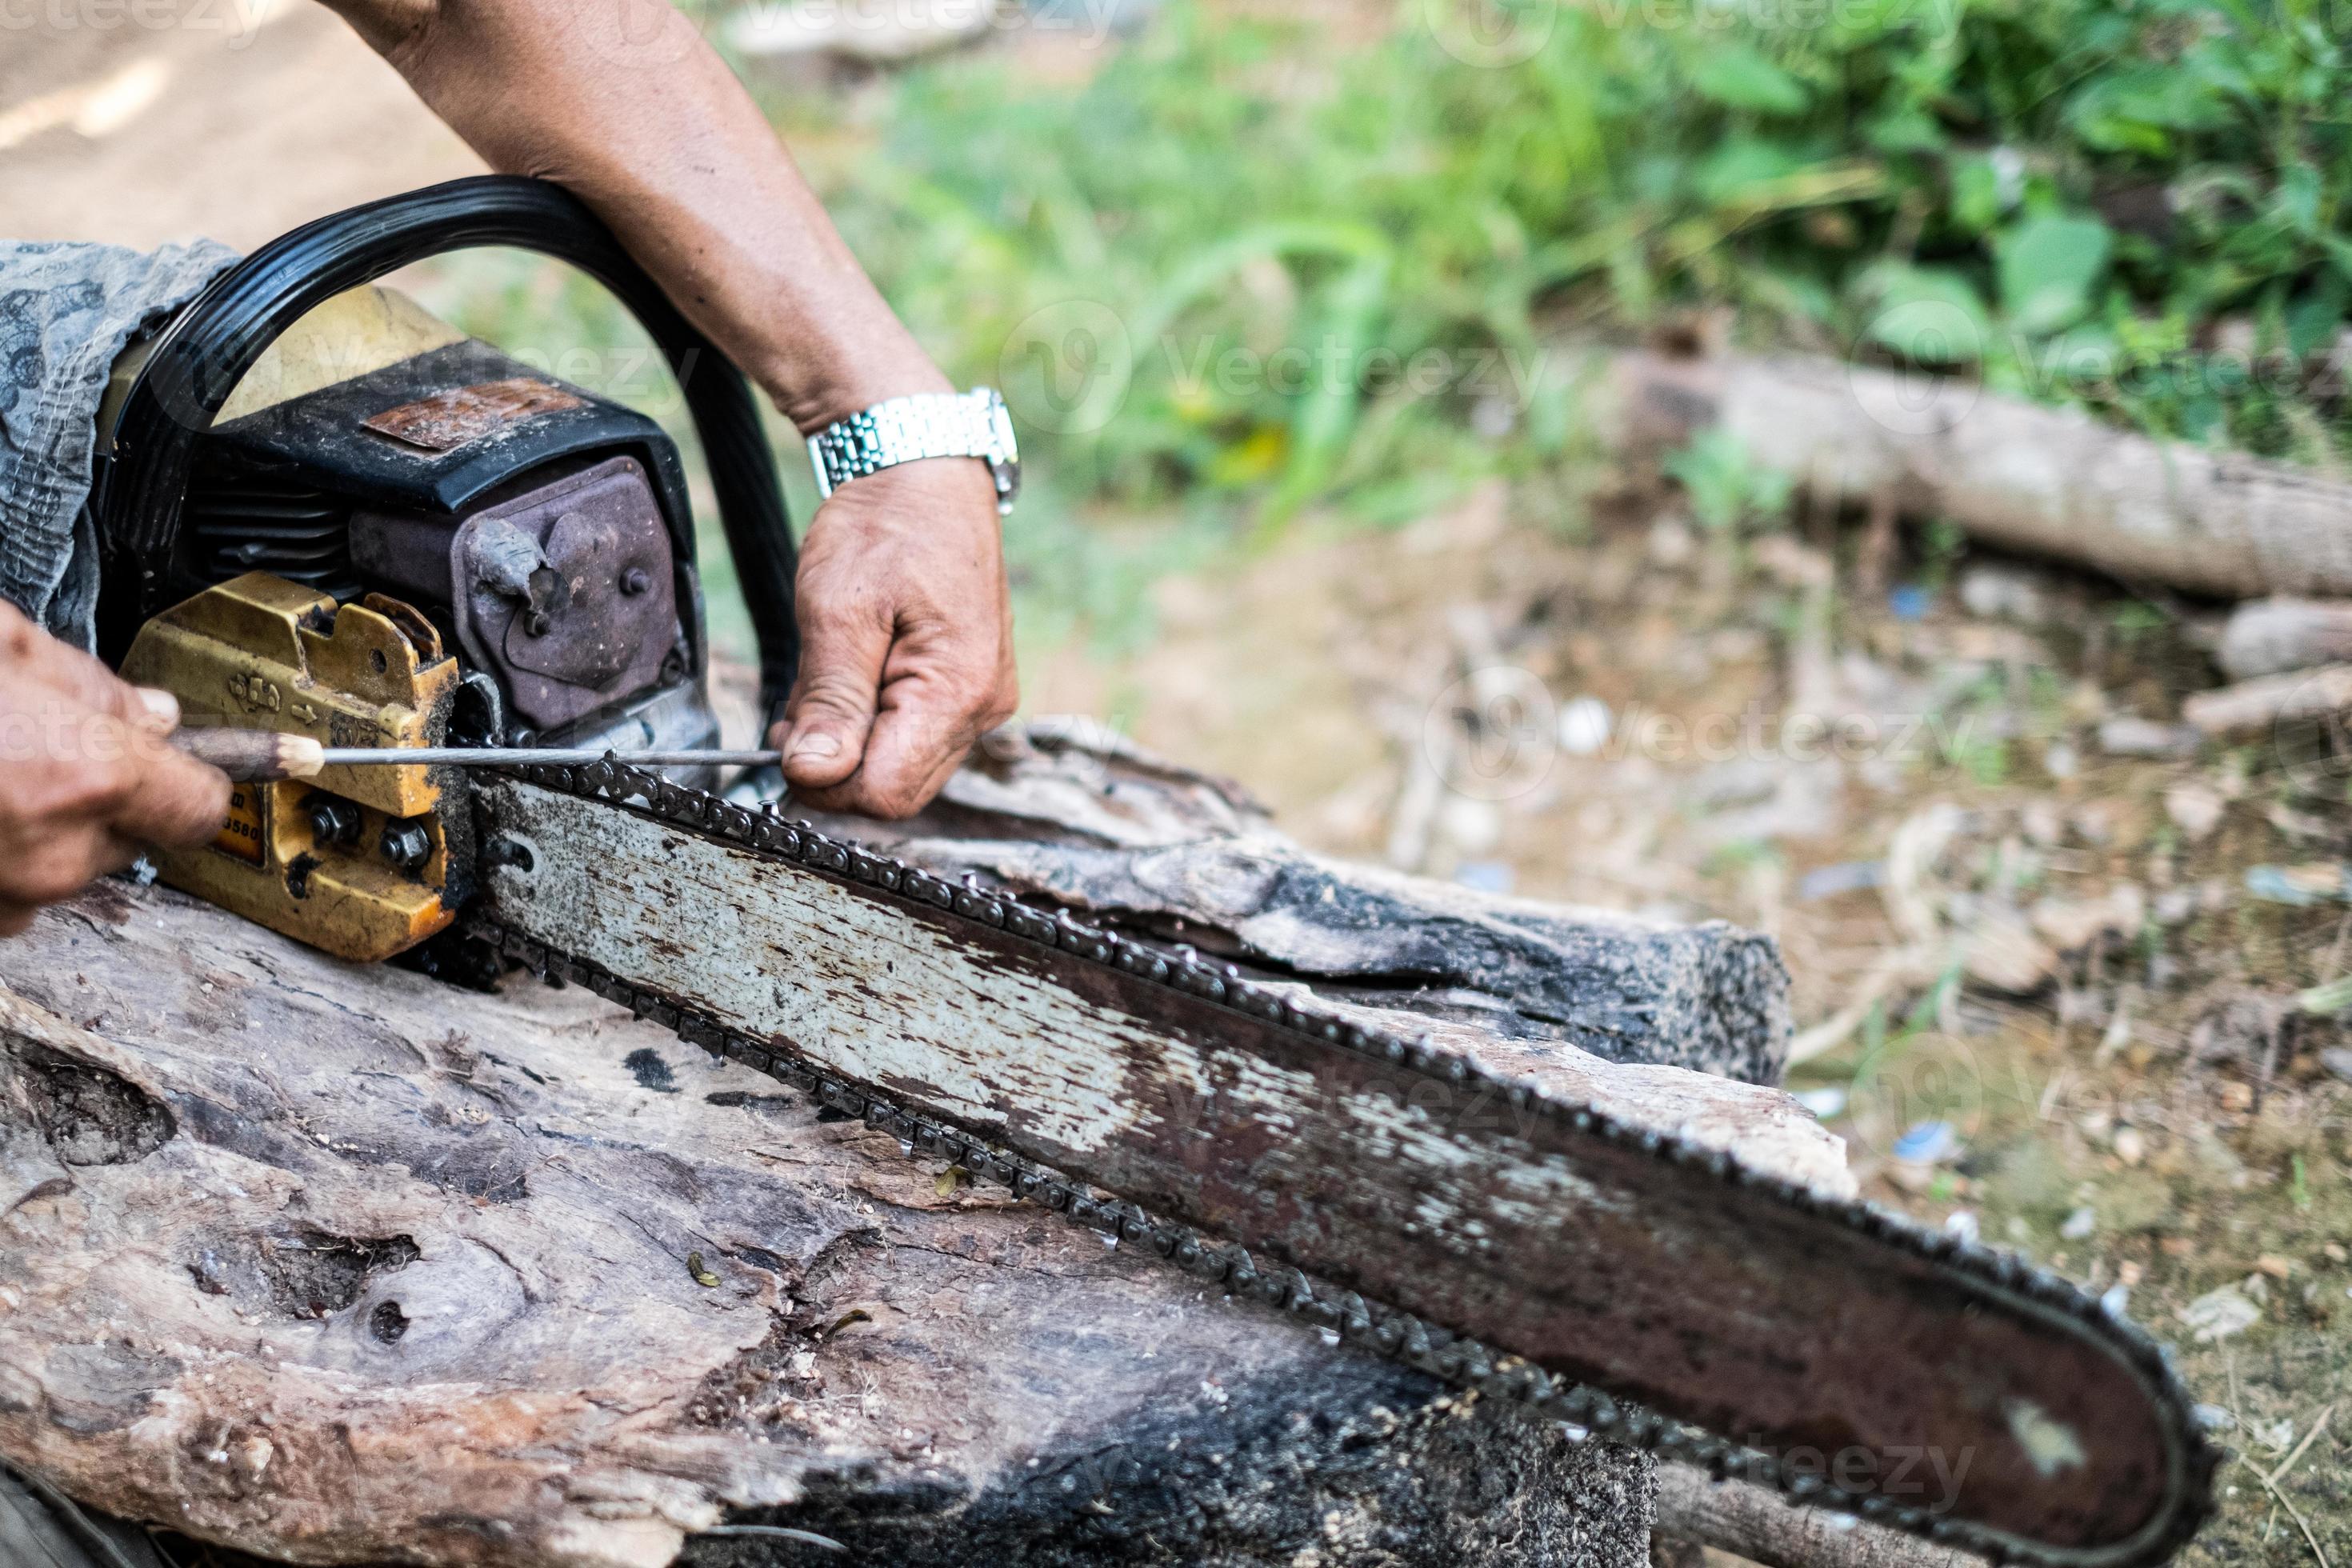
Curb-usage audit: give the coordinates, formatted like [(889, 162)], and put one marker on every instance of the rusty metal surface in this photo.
[(464, 415), (1431, 1198), (565, 593)]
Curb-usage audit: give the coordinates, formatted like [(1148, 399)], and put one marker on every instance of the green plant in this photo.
[(1725, 487), (2076, 199), (1231, 271)]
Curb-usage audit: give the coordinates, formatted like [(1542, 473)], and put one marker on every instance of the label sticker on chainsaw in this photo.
[(241, 834), (462, 415)]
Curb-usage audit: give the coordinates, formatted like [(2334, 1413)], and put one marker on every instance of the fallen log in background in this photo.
[(2251, 708), (1750, 1521), (2021, 476), (340, 1265), (2270, 636)]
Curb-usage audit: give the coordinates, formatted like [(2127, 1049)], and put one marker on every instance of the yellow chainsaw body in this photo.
[(356, 861)]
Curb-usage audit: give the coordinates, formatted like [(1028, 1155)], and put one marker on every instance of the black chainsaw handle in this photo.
[(199, 359)]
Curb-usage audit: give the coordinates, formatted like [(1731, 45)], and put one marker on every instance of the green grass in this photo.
[(2075, 199), (1235, 272)]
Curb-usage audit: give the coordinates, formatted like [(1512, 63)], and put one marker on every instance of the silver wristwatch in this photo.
[(921, 424)]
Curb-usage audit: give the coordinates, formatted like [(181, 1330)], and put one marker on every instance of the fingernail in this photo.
[(816, 748), (158, 704)]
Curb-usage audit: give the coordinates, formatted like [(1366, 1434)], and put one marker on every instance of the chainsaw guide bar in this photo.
[(1636, 1286)]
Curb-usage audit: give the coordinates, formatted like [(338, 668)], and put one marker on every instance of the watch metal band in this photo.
[(920, 425)]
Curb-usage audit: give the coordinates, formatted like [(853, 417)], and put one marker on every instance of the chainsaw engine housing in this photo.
[(439, 547), (541, 529), (322, 511)]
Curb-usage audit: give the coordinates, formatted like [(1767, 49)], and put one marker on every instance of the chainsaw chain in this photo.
[(1398, 1336)]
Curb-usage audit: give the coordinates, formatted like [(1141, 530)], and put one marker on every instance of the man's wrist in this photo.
[(813, 397)]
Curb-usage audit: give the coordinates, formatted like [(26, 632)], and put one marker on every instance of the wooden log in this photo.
[(339, 1264), (1750, 1521), (1078, 815), (2271, 637), (2251, 708), (2051, 482)]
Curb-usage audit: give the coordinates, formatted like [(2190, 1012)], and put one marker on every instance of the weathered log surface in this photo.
[(2020, 475), (338, 1265), (1169, 854)]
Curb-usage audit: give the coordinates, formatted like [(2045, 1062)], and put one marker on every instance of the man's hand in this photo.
[(906, 638), (85, 775)]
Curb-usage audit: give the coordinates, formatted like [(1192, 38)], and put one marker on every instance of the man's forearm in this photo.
[(626, 106), (906, 625)]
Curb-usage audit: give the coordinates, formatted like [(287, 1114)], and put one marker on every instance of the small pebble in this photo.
[(2129, 736), (2195, 809), (1927, 1143), (1485, 876), (1845, 877), (2079, 1224), (1584, 726)]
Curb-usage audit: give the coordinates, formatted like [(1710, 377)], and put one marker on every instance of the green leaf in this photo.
[(1732, 171), (1723, 485), (2311, 322), (1737, 76), (2049, 266), (1907, 129), (1976, 194), (2298, 198), (1929, 315)]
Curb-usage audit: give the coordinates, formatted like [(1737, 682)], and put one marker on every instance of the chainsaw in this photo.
[(327, 515)]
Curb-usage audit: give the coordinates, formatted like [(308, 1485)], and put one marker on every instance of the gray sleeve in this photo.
[(66, 311)]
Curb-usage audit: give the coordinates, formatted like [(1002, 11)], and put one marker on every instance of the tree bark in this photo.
[(339, 1264), (2049, 481)]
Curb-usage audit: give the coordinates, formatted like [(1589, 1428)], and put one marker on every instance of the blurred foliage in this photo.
[(1227, 268), (2138, 206), (1725, 485)]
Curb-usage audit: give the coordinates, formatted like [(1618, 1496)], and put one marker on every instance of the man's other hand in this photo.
[(85, 775), (906, 638)]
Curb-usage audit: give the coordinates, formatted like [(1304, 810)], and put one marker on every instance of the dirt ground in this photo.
[(2056, 987), (232, 118), (2053, 989)]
